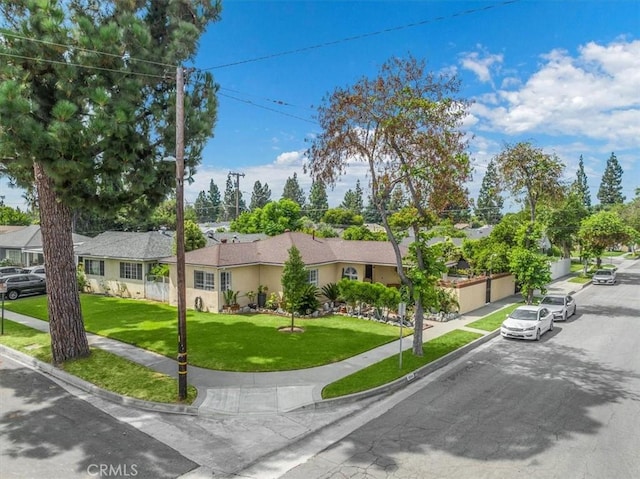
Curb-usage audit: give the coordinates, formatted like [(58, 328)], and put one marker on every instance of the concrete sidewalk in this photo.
[(222, 392)]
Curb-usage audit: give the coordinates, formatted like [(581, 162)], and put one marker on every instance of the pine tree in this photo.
[(352, 200), (230, 201), (490, 202), (293, 191), (294, 282), (371, 213), (580, 185), (260, 196), (214, 201), (610, 192), (202, 206), (86, 115), (318, 201)]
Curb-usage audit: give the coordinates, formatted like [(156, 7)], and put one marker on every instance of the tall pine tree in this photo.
[(233, 205), (260, 196), (292, 190), (214, 199), (580, 185), (490, 202), (87, 110), (610, 192), (318, 201)]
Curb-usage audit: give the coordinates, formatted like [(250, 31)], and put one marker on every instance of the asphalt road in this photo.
[(565, 407), (45, 432)]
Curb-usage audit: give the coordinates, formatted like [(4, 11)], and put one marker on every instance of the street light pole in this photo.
[(180, 260)]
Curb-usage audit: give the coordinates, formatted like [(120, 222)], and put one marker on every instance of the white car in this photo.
[(562, 306), (604, 276), (527, 322)]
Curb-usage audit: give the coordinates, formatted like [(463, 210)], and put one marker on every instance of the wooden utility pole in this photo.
[(237, 175), (180, 260)]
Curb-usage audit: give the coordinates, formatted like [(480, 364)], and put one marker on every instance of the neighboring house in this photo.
[(243, 267), (23, 246), (117, 262)]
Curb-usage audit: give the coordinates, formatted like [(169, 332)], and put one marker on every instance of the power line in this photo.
[(249, 102), (123, 57), (364, 35)]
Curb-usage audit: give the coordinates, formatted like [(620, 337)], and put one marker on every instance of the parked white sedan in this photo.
[(527, 322), (562, 306)]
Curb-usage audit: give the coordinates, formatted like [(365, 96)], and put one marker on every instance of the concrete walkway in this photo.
[(275, 392)]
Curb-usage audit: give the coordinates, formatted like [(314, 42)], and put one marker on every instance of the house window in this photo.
[(203, 280), (14, 256), (350, 273), (313, 277), (225, 281), (94, 267), (131, 270)]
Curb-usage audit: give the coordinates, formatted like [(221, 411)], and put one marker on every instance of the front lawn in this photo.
[(494, 320), (389, 370), (233, 342), (103, 369)]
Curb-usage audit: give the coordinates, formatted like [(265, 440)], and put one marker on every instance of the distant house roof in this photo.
[(275, 251), (150, 245), (30, 237)]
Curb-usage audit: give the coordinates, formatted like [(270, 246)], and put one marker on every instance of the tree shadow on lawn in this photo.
[(57, 426), (511, 407)]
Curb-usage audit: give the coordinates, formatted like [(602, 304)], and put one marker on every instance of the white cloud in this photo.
[(593, 95), (481, 63)]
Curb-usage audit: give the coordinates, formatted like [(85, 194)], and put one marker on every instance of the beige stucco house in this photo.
[(243, 267)]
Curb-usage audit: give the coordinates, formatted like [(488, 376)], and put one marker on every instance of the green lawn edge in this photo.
[(389, 370), (102, 368), (493, 321)]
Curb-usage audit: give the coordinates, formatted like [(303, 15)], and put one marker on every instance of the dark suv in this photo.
[(19, 284)]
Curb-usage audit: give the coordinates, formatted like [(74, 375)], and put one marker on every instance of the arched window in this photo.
[(350, 273)]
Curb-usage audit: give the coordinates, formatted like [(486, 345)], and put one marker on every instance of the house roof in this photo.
[(149, 245), (275, 251), (30, 237)]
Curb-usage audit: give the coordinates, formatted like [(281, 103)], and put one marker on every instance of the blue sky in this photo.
[(562, 74)]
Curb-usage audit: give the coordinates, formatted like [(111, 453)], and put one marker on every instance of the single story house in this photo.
[(22, 246), (243, 267), (117, 262)]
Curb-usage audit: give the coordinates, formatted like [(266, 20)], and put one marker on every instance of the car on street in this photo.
[(562, 306), (527, 322), (7, 270), (604, 276), (17, 285), (39, 270)]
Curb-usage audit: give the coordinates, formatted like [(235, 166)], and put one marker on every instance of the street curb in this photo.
[(402, 382), (90, 388)]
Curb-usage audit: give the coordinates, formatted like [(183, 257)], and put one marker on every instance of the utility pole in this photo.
[(180, 259), (237, 175)]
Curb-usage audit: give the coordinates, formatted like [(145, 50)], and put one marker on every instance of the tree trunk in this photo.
[(417, 328), (68, 336)]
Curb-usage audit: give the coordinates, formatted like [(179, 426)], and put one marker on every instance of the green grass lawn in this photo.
[(494, 320), (580, 279), (388, 369), (103, 369), (234, 342)]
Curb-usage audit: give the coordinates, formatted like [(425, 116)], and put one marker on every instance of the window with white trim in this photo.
[(312, 276), (203, 280), (94, 267), (225, 280), (350, 273), (131, 270)]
